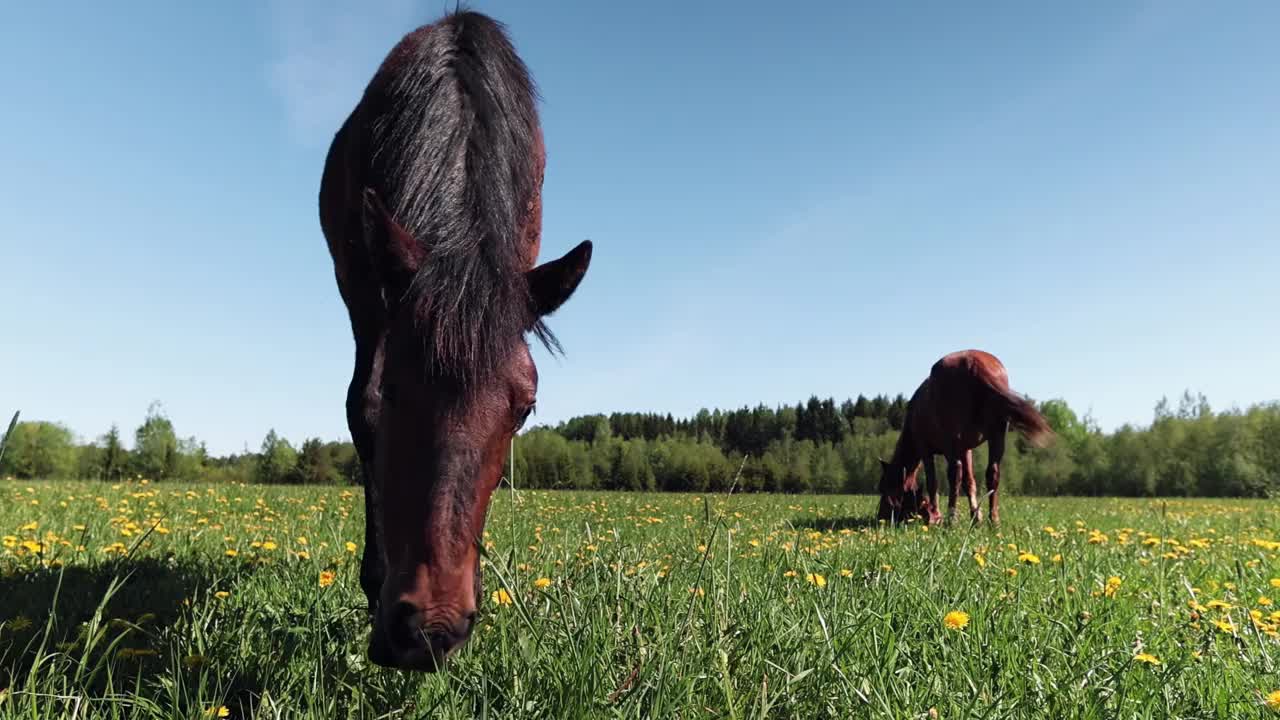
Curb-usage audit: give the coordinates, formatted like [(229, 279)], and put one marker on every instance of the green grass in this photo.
[(136, 629)]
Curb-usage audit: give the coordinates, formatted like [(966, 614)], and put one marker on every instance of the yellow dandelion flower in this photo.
[(816, 579), (1147, 658), (1225, 626), (500, 597), (220, 712), (231, 552), (1112, 586), (1272, 700), (1264, 601), (978, 558), (846, 572), (789, 574), (542, 582), (268, 545), (351, 547), (956, 620), (1275, 582), (222, 594), (326, 578), (1029, 558)]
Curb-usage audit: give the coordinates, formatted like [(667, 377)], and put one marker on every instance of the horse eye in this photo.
[(524, 416)]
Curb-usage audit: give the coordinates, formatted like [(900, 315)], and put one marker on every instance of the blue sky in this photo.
[(783, 203)]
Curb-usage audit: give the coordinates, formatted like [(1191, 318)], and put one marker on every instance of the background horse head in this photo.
[(431, 204), (900, 496)]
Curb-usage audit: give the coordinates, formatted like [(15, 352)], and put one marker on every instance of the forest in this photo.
[(817, 446)]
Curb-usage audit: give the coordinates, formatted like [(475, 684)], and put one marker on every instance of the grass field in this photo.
[(233, 601)]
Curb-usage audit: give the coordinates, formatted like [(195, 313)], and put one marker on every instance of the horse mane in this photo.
[(456, 154), (905, 448)]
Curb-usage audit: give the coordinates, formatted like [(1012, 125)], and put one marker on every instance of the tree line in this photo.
[(817, 446), (44, 449)]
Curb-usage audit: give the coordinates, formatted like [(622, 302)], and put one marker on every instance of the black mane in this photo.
[(454, 132)]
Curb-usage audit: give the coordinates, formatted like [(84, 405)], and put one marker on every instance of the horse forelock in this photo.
[(458, 151)]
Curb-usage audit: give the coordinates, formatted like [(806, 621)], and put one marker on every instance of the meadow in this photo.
[(159, 600)]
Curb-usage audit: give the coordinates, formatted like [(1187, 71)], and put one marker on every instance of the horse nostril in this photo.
[(404, 627), (445, 641)]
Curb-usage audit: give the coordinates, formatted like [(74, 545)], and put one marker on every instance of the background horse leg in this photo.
[(955, 477), (953, 492), (995, 453), (931, 480), (971, 487)]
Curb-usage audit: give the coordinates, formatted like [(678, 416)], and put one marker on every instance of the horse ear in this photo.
[(552, 283), (396, 254)]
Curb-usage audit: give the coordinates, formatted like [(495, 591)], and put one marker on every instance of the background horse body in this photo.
[(965, 401), (431, 206)]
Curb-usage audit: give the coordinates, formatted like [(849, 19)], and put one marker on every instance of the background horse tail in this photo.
[(1022, 414)]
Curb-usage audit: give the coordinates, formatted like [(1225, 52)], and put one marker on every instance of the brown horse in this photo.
[(964, 402), (431, 203)]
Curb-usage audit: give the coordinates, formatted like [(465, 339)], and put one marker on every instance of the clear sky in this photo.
[(784, 203)]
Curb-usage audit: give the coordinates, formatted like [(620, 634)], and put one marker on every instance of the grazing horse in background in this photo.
[(965, 401), (431, 204)]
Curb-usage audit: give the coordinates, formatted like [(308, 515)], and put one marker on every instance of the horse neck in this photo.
[(905, 452)]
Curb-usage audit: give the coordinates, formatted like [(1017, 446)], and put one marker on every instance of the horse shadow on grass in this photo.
[(50, 612), (835, 524)]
